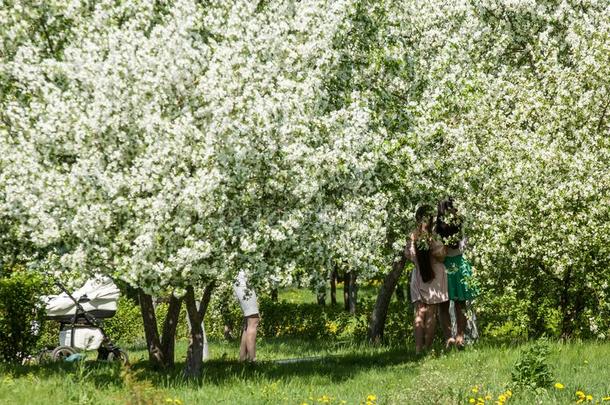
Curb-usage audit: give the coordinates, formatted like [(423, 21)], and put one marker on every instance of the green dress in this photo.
[(459, 278)]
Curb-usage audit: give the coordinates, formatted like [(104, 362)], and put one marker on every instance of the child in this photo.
[(459, 271)]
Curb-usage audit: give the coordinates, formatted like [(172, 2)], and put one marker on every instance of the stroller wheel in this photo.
[(118, 355), (62, 352), (44, 357)]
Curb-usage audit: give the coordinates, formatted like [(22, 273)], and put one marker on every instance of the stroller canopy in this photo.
[(99, 296)]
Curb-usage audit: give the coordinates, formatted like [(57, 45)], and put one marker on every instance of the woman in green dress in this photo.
[(459, 270)]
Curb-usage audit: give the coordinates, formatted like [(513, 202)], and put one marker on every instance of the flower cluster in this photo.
[(479, 398)]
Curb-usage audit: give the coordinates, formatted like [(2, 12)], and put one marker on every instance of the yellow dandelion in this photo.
[(502, 398), (480, 399), (580, 394), (589, 398), (487, 397), (472, 400), (371, 397), (475, 389), (606, 398), (559, 386), (177, 402), (509, 393)]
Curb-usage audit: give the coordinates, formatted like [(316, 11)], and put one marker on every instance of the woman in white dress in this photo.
[(246, 297)]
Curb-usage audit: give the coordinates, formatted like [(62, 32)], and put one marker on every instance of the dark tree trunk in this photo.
[(274, 295), (194, 353), (168, 334), (346, 291), (380, 311), (352, 291), (153, 343), (333, 287)]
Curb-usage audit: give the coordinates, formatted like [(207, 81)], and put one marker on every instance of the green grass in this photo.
[(345, 372)]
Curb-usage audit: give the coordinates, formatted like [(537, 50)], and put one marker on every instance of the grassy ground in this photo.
[(340, 374)]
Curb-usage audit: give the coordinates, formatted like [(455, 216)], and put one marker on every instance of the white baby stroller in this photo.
[(78, 315)]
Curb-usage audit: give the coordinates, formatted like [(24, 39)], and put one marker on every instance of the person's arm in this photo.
[(410, 248)]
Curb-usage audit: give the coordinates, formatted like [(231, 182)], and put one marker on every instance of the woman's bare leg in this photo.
[(460, 307), (445, 320), (418, 326), (250, 332), (430, 325), (243, 347)]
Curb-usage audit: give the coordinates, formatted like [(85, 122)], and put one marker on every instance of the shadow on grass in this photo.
[(333, 367)]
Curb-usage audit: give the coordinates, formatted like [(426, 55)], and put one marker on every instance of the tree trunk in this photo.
[(380, 312), (153, 344), (274, 295), (333, 287), (168, 334), (352, 292), (194, 353), (321, 296), (346, 291)]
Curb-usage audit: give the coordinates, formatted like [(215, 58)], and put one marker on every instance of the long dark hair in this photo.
[(422, 245), (448, 223)]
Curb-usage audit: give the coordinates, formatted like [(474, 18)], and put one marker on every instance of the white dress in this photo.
[(244, 295)]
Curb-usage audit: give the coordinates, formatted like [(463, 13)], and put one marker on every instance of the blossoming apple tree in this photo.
[(172, 144), (516, 106), (502, 105)]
